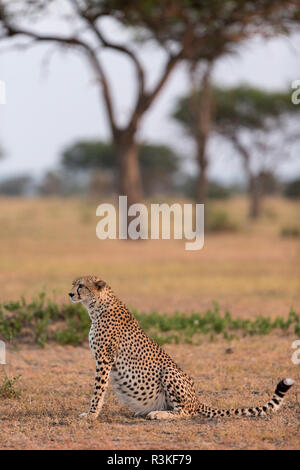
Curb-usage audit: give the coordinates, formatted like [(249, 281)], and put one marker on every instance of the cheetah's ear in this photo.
[(99, 284)]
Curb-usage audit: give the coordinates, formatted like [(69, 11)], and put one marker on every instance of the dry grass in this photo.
[(44, 244), (57, 382)]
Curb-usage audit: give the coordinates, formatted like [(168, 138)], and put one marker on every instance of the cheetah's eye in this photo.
[(80, 286)]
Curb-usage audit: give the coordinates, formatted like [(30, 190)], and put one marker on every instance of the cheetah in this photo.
[(144, 377)]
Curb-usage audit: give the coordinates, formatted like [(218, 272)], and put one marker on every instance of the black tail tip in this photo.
[(284, 385)]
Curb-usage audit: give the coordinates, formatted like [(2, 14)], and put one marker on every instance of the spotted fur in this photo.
[(144, 377)]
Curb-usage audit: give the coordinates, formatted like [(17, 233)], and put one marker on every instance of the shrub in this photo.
[(290, 231), (41, 321), (292, 189), (7, 387), (219, 221)]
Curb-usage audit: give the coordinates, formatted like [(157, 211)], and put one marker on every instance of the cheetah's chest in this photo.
[(92, 342)]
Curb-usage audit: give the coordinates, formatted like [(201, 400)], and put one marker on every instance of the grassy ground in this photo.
[(44, 244), (56, 385)]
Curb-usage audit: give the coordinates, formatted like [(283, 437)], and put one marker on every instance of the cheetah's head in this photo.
[(87, 288)]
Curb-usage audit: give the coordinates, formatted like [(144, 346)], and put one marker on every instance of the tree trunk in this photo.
[(129, 177), (255, 189), (202, 112), (201, 191), (255, 197)]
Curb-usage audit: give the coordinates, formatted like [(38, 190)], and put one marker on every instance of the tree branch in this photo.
[(146, 99), (243, 152), (91, 20), (95, 61), (172, 62), (73, 41)]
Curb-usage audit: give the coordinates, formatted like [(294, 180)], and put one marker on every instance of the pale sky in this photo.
[(49, 106)]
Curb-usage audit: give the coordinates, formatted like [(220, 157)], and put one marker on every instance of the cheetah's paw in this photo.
[(88, 416), (159, 415)]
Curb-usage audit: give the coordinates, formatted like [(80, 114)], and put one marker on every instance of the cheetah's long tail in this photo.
[(272, 406)]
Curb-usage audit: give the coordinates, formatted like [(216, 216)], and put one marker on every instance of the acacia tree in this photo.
[(257, 123), (196, 112), (159, 163), (186, 30)]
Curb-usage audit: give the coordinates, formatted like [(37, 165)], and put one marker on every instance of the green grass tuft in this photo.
[(41, 321), (7, 387)]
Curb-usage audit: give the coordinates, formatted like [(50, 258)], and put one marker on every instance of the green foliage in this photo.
[(181, 327), (33, 321), (92, 154), (158, 163), (292, 189), (218, 191), (219, 221), (95, 154), (42, 321), (245, 110), (248, 107), (211, 26), (237, 108), (7, 387), (215, 190), (78, 326), (16, 185), (158, 158)]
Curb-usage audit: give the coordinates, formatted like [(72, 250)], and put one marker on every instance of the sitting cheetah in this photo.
[(144, 377)]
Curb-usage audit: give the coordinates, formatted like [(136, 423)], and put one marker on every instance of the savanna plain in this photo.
[(249, 269)]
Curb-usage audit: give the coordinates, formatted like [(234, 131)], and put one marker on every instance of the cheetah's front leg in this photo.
[(103, 368)]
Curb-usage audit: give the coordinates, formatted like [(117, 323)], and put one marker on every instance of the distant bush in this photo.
[(218, 191), (290, 231), (159, 165), (16, 186), (215, 190), (292, 189), (219, 221)]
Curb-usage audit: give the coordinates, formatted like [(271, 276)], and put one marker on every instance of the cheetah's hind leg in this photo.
[(180, 395)]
